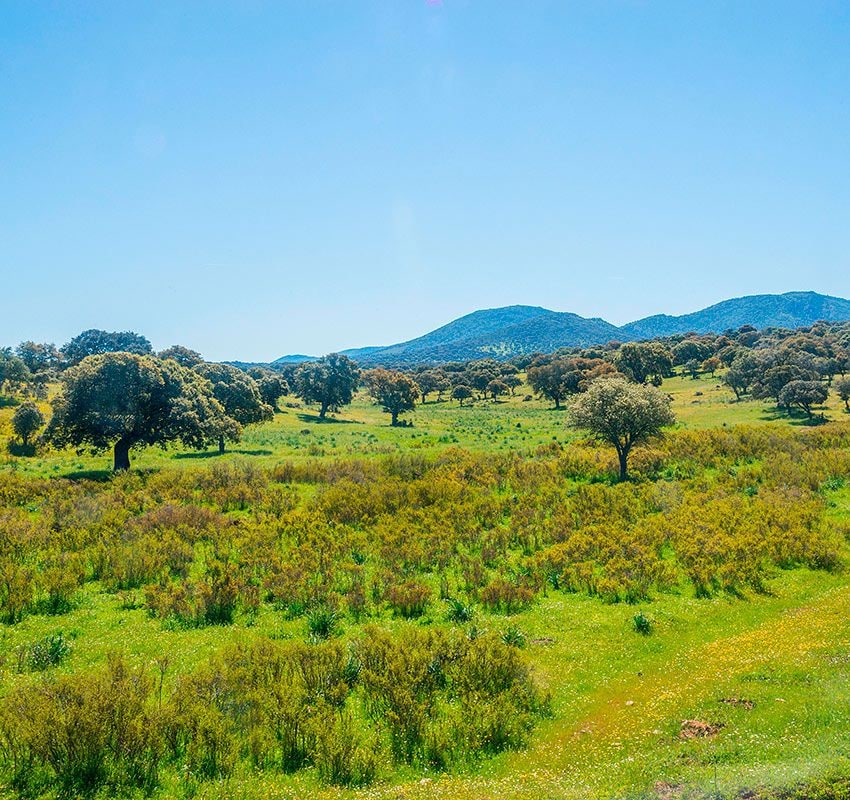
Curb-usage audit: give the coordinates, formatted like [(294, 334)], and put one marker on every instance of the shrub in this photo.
[(81, 733), (459, 612), (505, 597), (409, 599), (322, 622), (48, 652), (642, 623)]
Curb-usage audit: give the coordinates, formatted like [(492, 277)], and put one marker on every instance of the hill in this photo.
[(502, 333), (790, 310), (496, 332)]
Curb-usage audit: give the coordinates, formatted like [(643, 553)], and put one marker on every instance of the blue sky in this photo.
[(257, 178)]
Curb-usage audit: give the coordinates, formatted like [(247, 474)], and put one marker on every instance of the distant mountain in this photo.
[(790, 310), (293, 359), (496, 332), (502, 333)]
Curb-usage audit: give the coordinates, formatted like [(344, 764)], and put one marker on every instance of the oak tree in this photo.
[(622, 414), (125, 400)]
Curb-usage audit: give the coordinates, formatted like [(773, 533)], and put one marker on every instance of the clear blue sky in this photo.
[(257, 178)]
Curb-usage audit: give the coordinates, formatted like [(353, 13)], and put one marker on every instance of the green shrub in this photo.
[(642, 623), (322, 622), (48, 652)]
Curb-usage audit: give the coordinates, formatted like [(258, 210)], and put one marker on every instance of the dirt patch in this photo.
[(667, 791), (697, 729), (738, 702), (543, 640)]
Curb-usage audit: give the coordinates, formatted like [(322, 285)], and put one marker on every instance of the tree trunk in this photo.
[(221, 444), (394, 416), (623, 456), (121, 455), (323, 411), (557, 403)]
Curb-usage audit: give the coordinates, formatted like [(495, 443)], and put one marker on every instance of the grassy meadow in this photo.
[(760, 666)]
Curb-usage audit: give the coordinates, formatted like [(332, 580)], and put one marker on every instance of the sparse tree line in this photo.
[(115, 392)]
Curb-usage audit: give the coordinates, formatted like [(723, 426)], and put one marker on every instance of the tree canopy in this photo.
[(329, 381), (622, 414), (125, 400), (394, 391), (26, 421), (182, 355), (240, 396), (95, 342), (803, 394)]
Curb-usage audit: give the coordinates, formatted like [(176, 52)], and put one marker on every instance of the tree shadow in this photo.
[(796, 416), (8, 402), (216, 454), (21, 450), (327, 420), (99, 475)]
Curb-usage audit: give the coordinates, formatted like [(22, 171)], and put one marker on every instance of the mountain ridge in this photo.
[(509, 331)]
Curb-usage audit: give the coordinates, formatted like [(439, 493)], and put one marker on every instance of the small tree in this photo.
[(692, 367), (711, 365), (13, 372), (26, 421), (496, 388), (512, 382), (239, 394), (394, 391), (622, 414), (124, 400), (803, 394), (331, 382), (461, 393), (842, 387)]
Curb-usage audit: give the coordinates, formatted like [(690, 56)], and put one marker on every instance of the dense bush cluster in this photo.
[(428, 698)]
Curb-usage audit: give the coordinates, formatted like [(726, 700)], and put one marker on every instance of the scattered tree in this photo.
[(842, 387), (496, 388), (394, 391), (461, 393), (124, 400), (330, 381), (240, 396), (692, 367), (622, 414), (512, 381), (27, 421), (38, 357), (803, 394), (272, 385), (711, 365), (641, 361), (13, 372)]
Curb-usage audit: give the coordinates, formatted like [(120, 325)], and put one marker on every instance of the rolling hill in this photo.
[(502, 333)]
